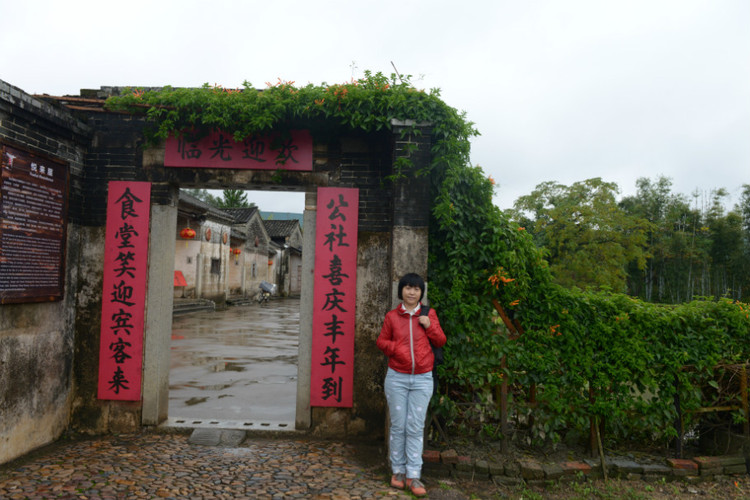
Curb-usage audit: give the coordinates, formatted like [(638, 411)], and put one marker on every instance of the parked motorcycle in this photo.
[(265, 292)]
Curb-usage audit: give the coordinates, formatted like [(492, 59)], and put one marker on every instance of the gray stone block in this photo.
[(552, 471), (623, 467), (660, 470), (496, 469), (231, 437), (205, 437), (735, 469), (512, 469), (531, 470), (506, 480)]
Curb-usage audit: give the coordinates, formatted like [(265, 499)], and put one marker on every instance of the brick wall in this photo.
[(40, 127)]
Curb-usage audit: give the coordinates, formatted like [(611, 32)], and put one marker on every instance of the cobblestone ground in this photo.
[(153, 465)]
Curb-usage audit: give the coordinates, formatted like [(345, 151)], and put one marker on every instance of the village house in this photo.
[(286, 236)]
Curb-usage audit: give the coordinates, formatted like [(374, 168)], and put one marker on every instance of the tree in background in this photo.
[(204, 195), (234, 198), (670, 242), (656, 245), (590, 240), (231, 198)]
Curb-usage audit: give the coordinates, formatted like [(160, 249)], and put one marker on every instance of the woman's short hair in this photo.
[(410, 279)]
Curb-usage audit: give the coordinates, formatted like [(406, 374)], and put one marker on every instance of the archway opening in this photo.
[(234, 346)]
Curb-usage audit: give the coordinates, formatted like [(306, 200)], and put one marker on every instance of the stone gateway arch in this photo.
[(51, 335)]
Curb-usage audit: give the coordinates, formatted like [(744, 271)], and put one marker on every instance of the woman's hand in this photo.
[(424, 321)]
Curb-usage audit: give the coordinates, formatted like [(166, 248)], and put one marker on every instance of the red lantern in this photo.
[(187, 234), (237, 251), (270, 262)]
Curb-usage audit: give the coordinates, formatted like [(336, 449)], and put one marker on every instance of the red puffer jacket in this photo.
[(406, 342)]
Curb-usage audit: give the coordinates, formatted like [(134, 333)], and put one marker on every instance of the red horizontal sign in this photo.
[(274, 151)]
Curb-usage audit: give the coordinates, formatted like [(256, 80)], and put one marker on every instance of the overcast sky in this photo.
[(560, 90)]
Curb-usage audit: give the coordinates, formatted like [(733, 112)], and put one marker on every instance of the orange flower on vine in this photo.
[(500, 277)]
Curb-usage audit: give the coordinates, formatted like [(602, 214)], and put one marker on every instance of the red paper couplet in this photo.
[(334, 297), (275, 151), (124, 290)]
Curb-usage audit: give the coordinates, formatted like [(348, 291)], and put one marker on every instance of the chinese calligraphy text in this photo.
[(291, 151), (332, 373), (124, 291)]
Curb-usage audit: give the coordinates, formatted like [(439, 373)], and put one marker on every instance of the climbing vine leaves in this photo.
[(589, 354)]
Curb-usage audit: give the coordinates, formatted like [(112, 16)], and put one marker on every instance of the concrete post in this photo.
[(304, 357), (159, 304), (411, 203), (199, 276)]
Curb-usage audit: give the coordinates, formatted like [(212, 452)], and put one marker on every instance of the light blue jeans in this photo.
[(408, 397)]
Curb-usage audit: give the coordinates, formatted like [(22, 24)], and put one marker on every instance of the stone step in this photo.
[(184, 306)]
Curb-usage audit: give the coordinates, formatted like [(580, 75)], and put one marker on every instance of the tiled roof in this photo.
[(194, 205), (241, 215), (280, 228)]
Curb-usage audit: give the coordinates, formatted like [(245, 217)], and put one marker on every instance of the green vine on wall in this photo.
[(590, 354), (369, 104)]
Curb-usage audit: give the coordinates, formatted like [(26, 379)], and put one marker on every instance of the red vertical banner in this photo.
[(124, 290), (334, 298)]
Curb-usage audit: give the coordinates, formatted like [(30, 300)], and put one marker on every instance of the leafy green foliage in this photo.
[(590, 354), (590, 239), (233, 198)]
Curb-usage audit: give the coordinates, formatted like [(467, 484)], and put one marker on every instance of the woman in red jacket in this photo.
[(405, 339)]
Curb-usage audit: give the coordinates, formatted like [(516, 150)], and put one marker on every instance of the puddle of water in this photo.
[(253, 350)]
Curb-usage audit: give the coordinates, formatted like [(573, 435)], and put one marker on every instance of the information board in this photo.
[(33, 216)]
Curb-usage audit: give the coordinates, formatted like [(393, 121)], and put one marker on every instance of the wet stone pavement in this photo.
[(167, 465), (237, 366)]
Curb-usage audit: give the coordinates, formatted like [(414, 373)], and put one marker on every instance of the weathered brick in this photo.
[(449, 457), (482, 467), (531, 469), (552, 471), (506, 480), (707, 473), (431, 469), (659, 470), (682, 463), (496, 469), (572, 468), (624, 467), (464, 463), (431, 456), (512, 469), (735, 469)]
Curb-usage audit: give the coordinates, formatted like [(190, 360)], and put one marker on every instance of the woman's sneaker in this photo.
[(416, 487), (397, 481)]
